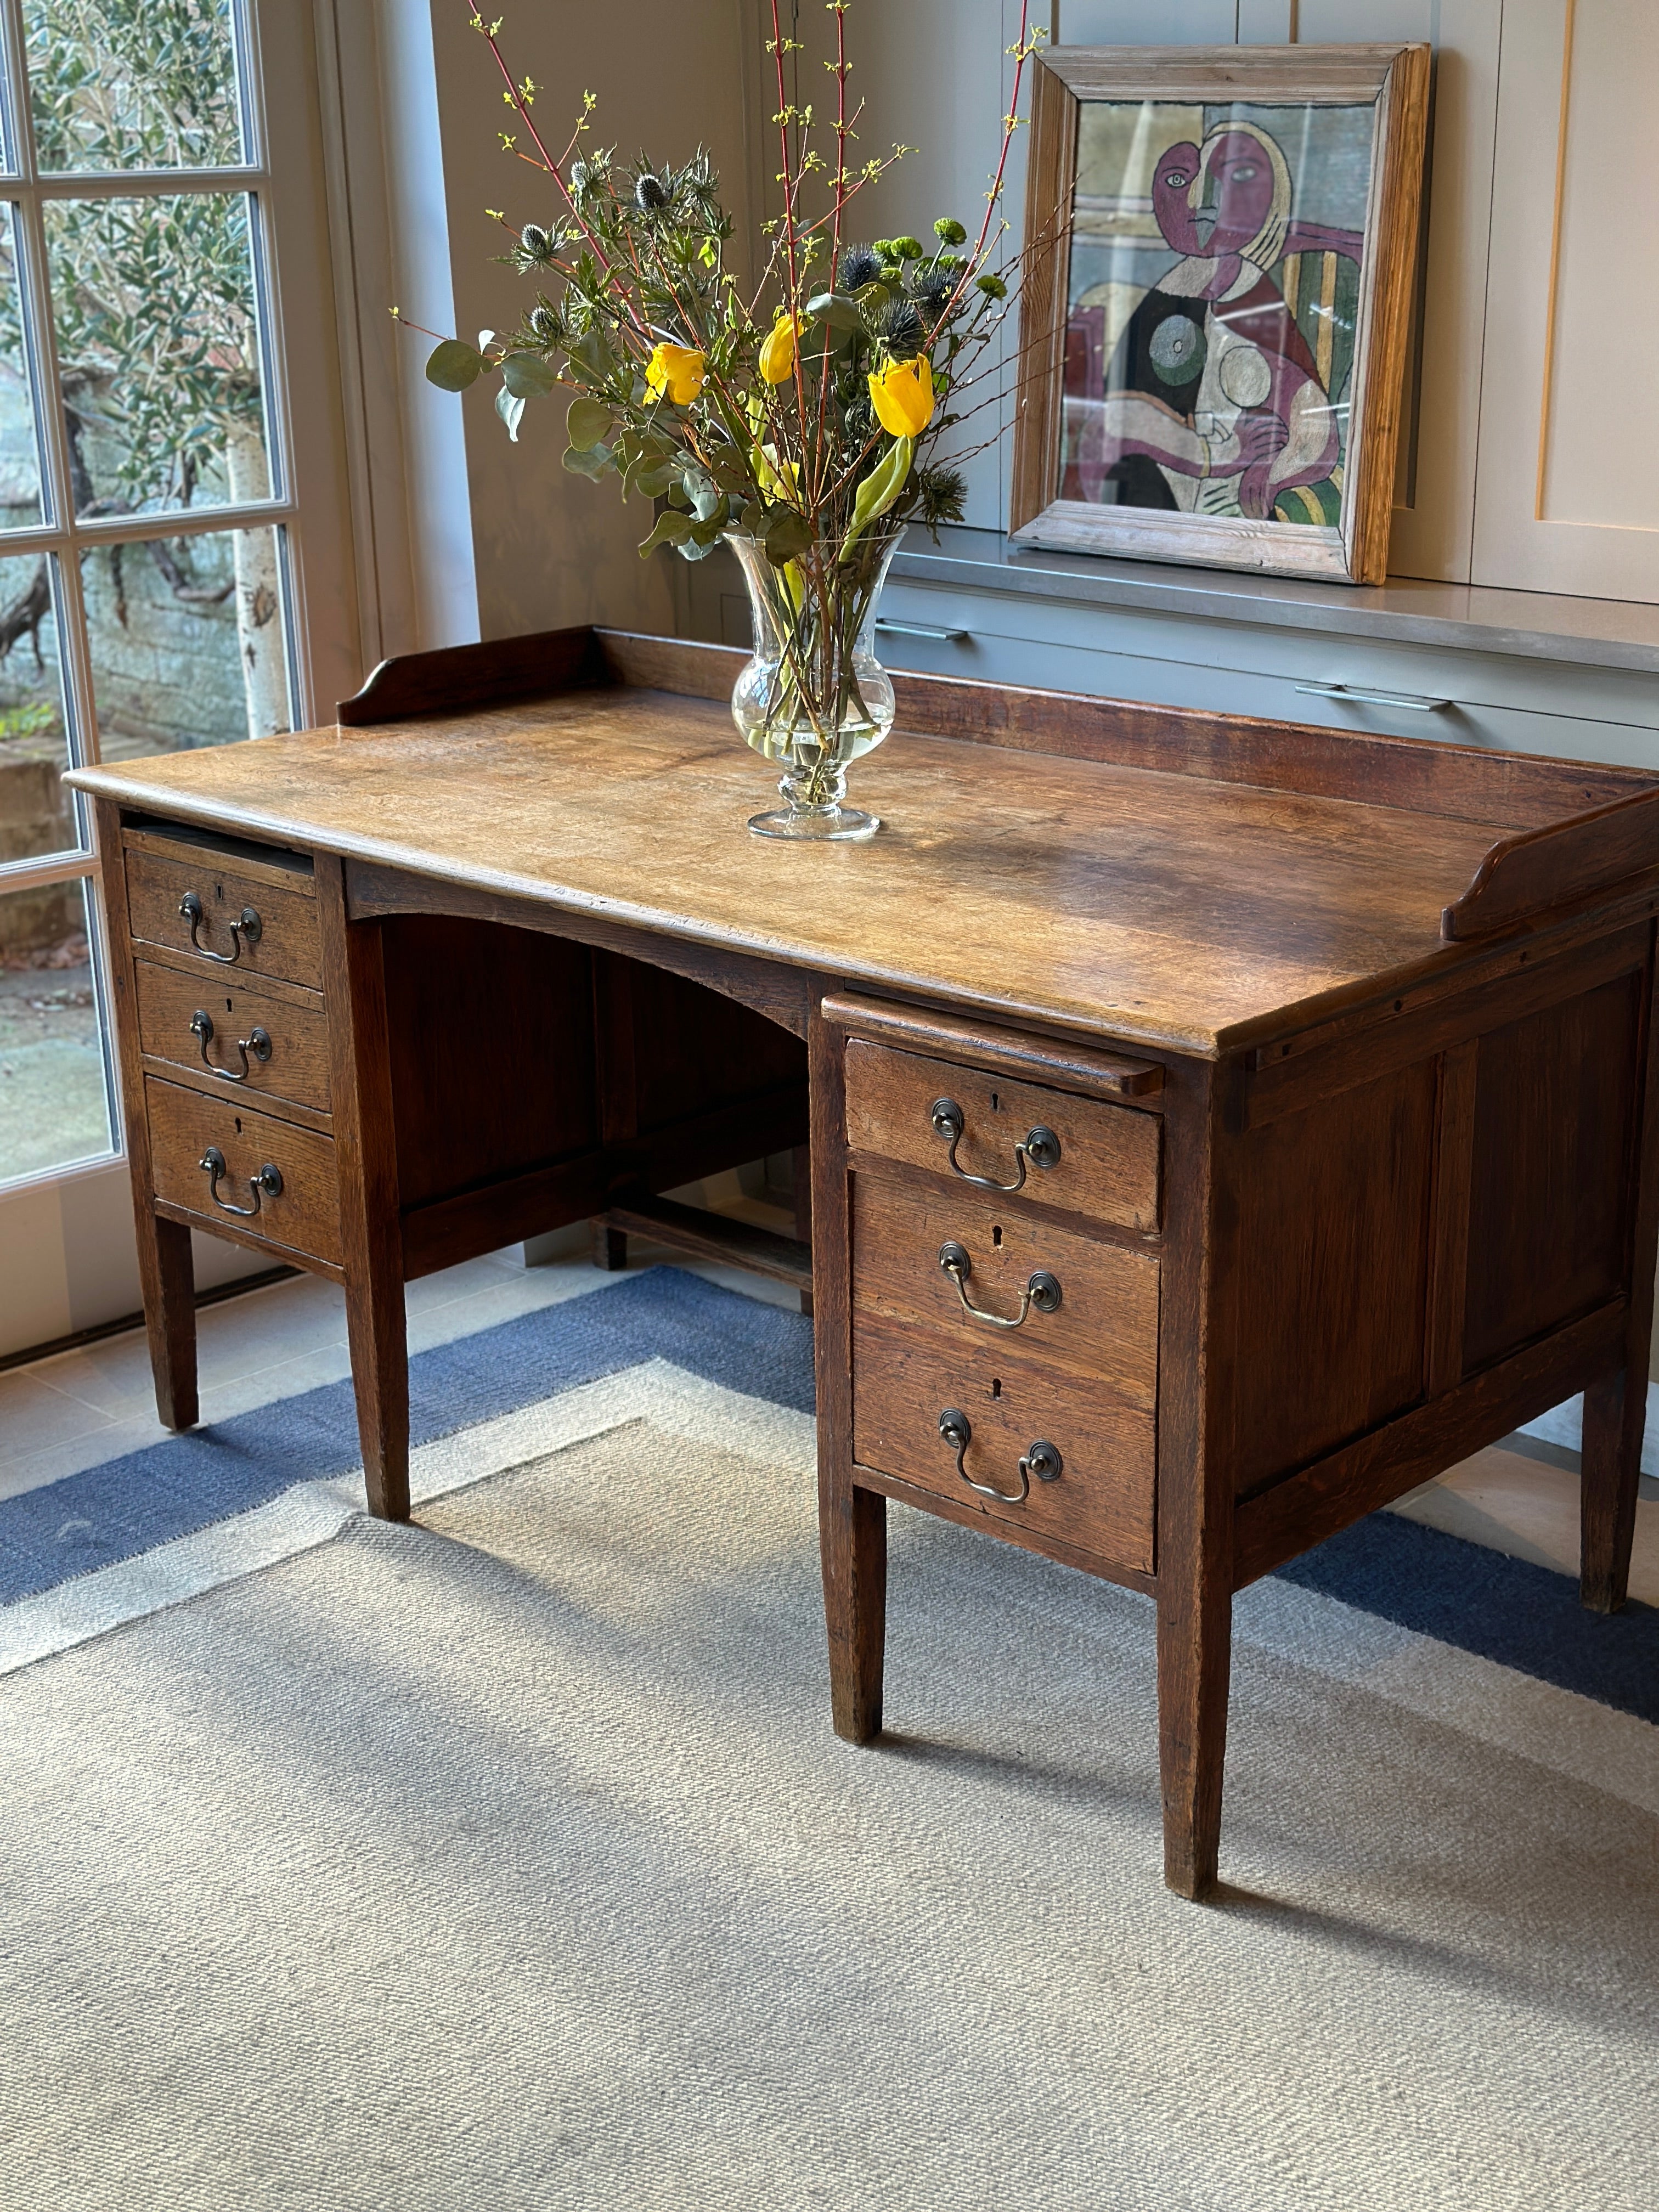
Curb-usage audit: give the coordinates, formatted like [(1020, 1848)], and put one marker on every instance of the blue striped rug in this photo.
[(114, 1514)]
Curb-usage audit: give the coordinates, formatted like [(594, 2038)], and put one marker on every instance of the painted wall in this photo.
[(551, 549)]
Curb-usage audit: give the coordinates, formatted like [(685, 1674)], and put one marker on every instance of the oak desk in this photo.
[(1217, 1127)]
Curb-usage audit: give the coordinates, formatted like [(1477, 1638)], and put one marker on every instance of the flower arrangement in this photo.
[(796, 417)]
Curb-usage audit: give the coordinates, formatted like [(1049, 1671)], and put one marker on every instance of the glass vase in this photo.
[(814, 698)]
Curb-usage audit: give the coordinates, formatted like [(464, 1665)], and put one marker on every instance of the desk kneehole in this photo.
[(264, 1182), (1019, 1141)]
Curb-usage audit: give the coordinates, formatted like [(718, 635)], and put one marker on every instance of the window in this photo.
[(148, 519)]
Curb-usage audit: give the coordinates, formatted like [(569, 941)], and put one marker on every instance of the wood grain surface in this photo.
[(1165, 909), (1107, 1168), (1104, 1330), (303, 1217), (287, 945), (295, 1074), (904, 1377)]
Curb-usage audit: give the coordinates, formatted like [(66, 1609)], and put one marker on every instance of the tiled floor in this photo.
[(82, 1407)]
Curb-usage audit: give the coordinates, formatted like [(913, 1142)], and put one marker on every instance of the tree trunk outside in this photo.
[(259, 601)]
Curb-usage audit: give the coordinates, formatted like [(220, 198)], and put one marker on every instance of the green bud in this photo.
[(949, 231), (992, 287), (904, 249)]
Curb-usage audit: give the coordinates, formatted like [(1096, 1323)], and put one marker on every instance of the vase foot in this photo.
[(843, 826)]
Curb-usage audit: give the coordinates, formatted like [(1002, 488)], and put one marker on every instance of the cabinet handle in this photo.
[(244, 932), (256, 1042), (267, 1183), (1042, 1459), (922, 630), (1412, 702), (1041, 1289), (1040, 1146)]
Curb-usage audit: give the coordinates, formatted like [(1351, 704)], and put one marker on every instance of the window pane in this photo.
[(132, 84), (189, 641), (37, 815), (54, 1105), (158, 348), (19, 456)]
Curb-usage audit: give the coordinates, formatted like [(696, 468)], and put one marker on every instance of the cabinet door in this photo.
[(1569, 467)]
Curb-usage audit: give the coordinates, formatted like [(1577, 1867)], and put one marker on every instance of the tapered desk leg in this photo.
[(167, 1273), (1194, 1656), (366, 1156), (852, 1534), (1615, 1414), (802, 1157)]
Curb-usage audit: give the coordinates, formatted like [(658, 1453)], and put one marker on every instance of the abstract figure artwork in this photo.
[(1218, 285)]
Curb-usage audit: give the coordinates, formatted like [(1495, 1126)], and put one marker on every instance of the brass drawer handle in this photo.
[(256, 1042), (267, 1183), (243, 932), (1040, 1146), (1041, 1289), (1042, 1459)]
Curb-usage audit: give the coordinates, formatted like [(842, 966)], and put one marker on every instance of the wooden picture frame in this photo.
[(1220, 251)]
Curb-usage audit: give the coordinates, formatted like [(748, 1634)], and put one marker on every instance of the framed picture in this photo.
[(1220, 251)]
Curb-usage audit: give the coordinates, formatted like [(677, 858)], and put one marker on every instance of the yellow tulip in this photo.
[(902, 397), (777, 353), (677, 370)]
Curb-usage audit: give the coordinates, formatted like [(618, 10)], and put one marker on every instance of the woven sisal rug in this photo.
[(508, 1860)]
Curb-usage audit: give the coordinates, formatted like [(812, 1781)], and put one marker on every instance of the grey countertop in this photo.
[(1538, 625)]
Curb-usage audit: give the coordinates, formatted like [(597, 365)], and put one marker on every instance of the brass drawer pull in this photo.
[(256, 1042), (1041, 1459), (243, 932), (1041, 1289), (1040, 1146), (267, 1183)]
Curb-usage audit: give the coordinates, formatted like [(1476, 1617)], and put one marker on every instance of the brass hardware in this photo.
[(267, 1183), (244, 932), (1041, 1289), (256, 1042), (1039, 1146), (1042, 1459)]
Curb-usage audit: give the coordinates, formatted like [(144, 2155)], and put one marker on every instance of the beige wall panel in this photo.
[(1568, 496), (551, 549)]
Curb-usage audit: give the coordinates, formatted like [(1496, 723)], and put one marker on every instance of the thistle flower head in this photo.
[(900, 331), (931, 287), (858, 267), (650, 194)]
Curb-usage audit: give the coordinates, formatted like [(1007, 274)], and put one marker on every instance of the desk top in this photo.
[(1179, 910)]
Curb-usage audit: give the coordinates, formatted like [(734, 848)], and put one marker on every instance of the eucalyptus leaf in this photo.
[(586, 423), (839, 309), (510, 408), (672, 528), (788, 535), (453, 365), (700, 489), (527, 376), (593, 462), (653, 479)]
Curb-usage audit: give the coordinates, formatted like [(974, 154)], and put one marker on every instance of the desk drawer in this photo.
[(906, 1377), (1085, 1307), (166, 893), (256, 1045), (1107, 1159), (301, 1216)]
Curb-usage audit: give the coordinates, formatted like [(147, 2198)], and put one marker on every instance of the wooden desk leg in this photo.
[(610, 1248), (1194, 1662), (168, 1272), (365, 1143), (852, 1521), (852, 1535), (802, 1157), (1615, 1414)]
